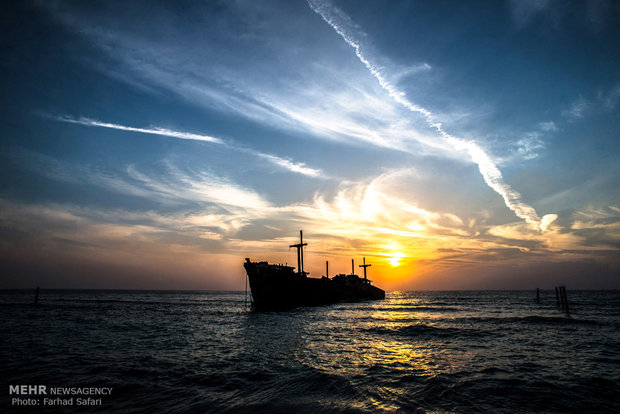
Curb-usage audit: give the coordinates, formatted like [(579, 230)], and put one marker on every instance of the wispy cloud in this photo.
[(598, 226), (548, 126), (529, 146), (411, 70), (290, 165), (604, 100), (577, 109), (342, 24), (299, 168), (201, 187), (594, 15), (524, 11), (317, 100), (152, 131), (371, 218), (610, 98), (531, 143)]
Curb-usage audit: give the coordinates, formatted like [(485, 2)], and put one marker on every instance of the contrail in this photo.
[(152, 131), (491, 174), (299, 168)]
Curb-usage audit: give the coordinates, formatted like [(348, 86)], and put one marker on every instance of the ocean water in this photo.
[(432, 352)]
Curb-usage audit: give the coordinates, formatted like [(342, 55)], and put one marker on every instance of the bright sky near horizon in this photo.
[(455, 145)]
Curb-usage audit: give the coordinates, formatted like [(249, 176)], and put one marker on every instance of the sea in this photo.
[(207, 352)]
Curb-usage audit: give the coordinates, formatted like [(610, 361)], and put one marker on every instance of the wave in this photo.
[(424, 331), (531, 320), (90, 302), (419, 309)]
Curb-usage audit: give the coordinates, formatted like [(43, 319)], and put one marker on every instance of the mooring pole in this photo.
[(36, 297), (352, 266), (326, 269), (565, 300)]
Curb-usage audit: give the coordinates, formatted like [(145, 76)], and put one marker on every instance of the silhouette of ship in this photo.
[(279, 287)]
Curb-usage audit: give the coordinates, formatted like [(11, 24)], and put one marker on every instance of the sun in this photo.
[(395, 258)]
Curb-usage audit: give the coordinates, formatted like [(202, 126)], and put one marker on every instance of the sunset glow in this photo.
[(396, 258), (454, 147)]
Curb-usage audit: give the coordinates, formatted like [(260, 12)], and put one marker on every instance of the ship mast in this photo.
[(300, 253), (365, 266)]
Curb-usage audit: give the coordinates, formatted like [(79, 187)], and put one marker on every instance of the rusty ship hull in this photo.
[(278, 287)]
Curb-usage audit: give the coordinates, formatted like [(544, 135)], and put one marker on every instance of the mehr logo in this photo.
[(28, 389)]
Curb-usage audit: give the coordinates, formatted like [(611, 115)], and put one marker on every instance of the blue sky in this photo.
[(454, 144)]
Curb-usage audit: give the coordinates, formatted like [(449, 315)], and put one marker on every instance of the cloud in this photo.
[(580, 107), (371, 218), (343, 25), (178, 186), (595, 15), (345, 109), (576, 110), (547, 220), (221, 208), (548, 126), (171, 186), (532, 142), (401, 74), (152, 131), (604, 100), (310, 95), (524, 11), (299, 168), (599, 226), (609, 99), (377, 209), (529, 146), (290, 165)]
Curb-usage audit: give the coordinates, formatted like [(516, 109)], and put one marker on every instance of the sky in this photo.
[(454, 145)]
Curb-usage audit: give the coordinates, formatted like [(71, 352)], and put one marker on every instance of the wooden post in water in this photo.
[(36, 297), (352, 266), (557, 297), (326, 269), (565, 300), (537, 295)]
